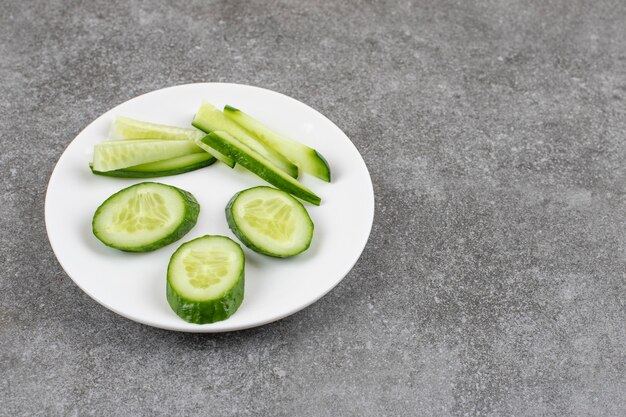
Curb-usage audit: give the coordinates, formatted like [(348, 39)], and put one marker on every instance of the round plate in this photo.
[(133, 285)]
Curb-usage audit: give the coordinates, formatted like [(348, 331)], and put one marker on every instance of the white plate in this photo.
[(133, 285)]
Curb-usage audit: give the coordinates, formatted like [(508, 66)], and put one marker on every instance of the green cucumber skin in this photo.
[(130, 172), (127, 128), (324, 168), (192, 211), (317, 165), (222, 158), (232, 224), (198, 124), (211, 119), (203, 312), (208, 311), (121, 154), (260, 168)]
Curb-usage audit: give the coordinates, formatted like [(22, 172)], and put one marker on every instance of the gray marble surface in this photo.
[(493, 282)]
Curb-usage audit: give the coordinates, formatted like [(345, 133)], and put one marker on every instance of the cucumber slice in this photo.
[(259, 165), (205, 279), (270, 221), (127, 128), (145, 217), (174, 166), (308, 159), (220, 156), (118, 154), (132, 129), (210, 119)]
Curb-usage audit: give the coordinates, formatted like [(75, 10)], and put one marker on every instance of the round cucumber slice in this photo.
[(270, 221), (145, 217), (205, 279)]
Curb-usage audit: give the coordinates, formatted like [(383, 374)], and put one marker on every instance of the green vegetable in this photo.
[(145, 217), (166, 167), (270, 221), (118, 154), (308, 159), (211, 119), (205, 279), (257, 164), (127, 128)]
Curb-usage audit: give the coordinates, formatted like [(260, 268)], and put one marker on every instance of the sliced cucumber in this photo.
[(118, 154), (145, 217), (205, 279), (220, 156), (210, 119), (270, 221), (174, 166), (127, 128), (259, 165), (308, 159)]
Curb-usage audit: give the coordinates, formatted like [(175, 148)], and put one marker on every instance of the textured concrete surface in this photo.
[(494, 280)]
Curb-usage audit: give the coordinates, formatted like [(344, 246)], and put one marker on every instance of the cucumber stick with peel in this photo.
[(205, 279), (126, 128), (270, 221), (145, 217), (117, 154), (308, 159), (211, 119), (173, 166), (259, 165)]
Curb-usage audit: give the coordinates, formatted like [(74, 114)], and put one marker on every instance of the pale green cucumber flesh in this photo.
[(145, 217), (308, 159), (119, 154), (270, 221), (220, 156), (128, 128), (259, 165), (167, 167), (211, 119), (205, 279)]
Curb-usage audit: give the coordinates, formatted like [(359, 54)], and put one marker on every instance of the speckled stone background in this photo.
[(494, 280)]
